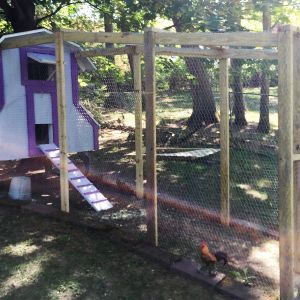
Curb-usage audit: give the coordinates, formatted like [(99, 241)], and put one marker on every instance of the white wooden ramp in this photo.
[(89, 192)]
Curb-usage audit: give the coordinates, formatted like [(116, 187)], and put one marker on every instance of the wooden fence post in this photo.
[(139, 178), (286, 177), (150, 97), (62, 123), (224, 140), (296, 134)]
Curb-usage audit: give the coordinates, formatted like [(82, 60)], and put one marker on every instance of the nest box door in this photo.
[(39, 78)]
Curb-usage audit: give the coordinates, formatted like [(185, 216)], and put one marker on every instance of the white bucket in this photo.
[(20, 188)]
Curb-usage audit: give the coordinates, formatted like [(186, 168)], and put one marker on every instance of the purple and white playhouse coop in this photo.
[(29, 114)]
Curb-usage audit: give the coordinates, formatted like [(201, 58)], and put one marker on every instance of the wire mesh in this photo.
[(188, 143), (111, 100)]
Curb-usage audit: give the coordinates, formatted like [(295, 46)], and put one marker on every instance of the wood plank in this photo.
[(137, 77), (296, 146), (224, 140), (296, 107), (104, 37), (62, 123), (23, 41), (150, 97), (286, 178), (259, 39), (218, 53), (106, 52)]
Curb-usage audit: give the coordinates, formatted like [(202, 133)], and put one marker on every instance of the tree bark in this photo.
[(264, 122), (20, 13), (204, 107), (238, 97), (236, 69), (112, 100)]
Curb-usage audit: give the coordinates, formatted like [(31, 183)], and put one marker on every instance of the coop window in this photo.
[(42, 133), (41, 67)]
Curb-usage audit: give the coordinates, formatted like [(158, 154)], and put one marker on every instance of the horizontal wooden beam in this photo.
[(186, 52), (104, 37), (254, 39), (106, 52), (218, 53), (23, 41)]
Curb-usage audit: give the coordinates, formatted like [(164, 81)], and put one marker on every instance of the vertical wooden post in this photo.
[(224, 140), (150, 97), (286, 177), (137, 78), (296, 147), (62, 123)]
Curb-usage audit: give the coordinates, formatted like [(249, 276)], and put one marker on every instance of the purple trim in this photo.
[(33, 87), (76, 178), (32, 147), (84, 185), (2, 99), (91, 193), (24, 69), (80, 109), (98, 201), (50, 150)]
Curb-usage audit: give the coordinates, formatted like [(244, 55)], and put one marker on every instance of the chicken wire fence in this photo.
[(108, 93), (188, 153)]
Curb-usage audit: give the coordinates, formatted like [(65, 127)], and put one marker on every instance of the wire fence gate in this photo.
[(198, 141)]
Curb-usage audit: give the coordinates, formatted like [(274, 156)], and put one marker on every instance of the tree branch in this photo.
[(4, 5), (61, 6), (169, 27)]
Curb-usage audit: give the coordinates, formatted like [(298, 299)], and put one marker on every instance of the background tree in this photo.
[(234, 24), (22, 15), (264, 122), (193, 16)]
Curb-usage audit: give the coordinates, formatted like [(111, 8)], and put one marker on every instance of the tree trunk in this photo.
[(124, 28), (20, 13), (112, 100), (238, 98), (204, 109), (264, 122)]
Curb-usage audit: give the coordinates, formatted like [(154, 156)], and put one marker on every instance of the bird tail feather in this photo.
[(222, 256)]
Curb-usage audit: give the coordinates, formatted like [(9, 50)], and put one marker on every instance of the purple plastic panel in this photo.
[(33, 150), (80, 109), (24, 68), (49, 87), (37, 86)]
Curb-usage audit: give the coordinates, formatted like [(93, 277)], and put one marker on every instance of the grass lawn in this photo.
[(44, 259), (179, 107), (253, 180)]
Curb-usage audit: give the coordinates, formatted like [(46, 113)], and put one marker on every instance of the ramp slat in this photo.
[(89, 192)]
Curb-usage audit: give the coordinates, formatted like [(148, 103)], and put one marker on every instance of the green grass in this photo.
[(253, 176), (43, 259), (253, 184), (179, 107)]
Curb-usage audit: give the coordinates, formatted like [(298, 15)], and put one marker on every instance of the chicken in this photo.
[(210, 259)]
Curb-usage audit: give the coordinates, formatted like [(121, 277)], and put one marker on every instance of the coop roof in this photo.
[(84, 63)]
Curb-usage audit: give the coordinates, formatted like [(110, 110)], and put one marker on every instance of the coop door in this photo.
[(43, 118)]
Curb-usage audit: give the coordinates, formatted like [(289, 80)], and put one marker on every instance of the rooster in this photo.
[(209, 259)]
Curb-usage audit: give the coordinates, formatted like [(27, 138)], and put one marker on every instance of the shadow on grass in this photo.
[(70, 263)]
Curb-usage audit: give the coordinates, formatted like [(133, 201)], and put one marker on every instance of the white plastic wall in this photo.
[(13, 117)]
